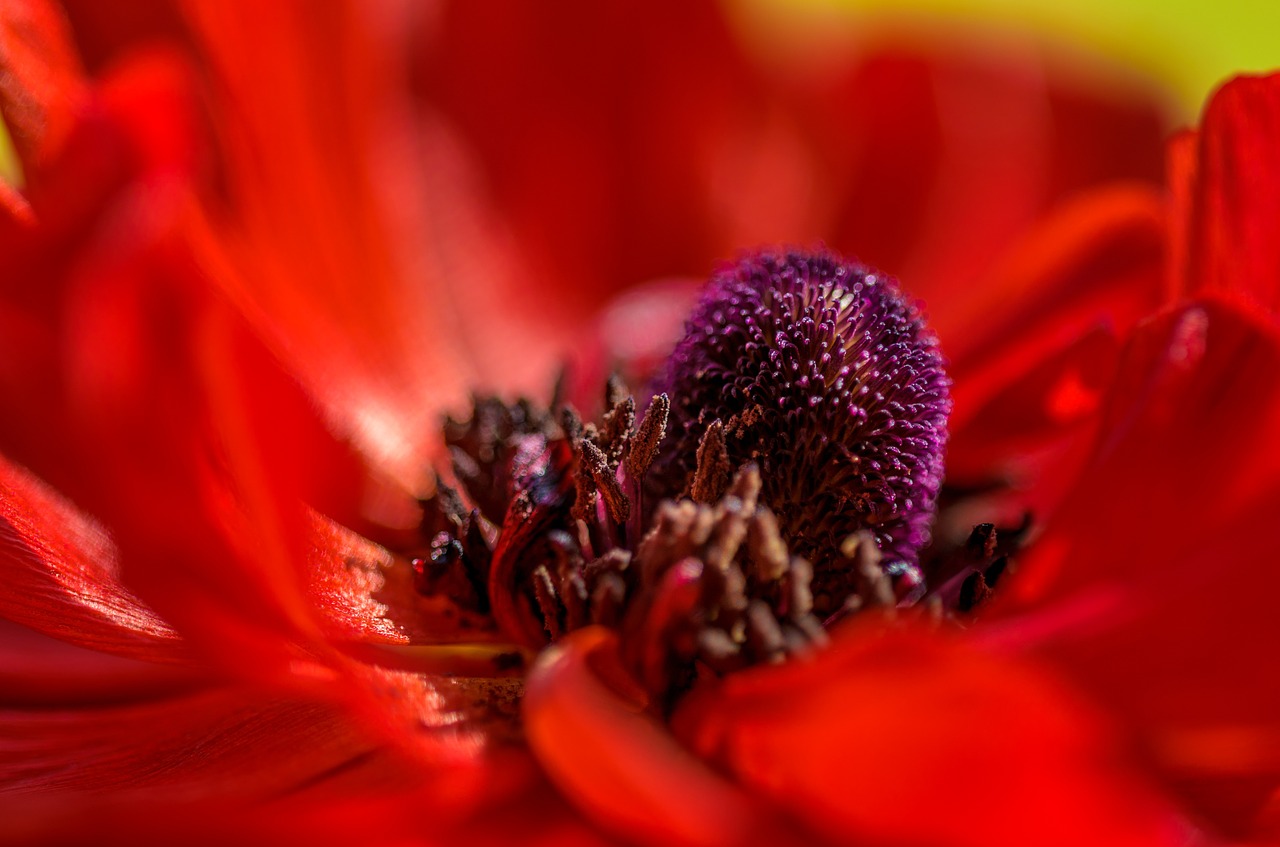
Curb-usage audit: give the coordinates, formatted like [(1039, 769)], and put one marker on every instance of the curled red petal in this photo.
[(906, 738), (1154, 584), (618, 764), (1236, 200), (61, 575)]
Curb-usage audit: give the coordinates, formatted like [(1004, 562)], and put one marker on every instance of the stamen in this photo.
[(606, 481), (784, 475), (645, 444), (712, 474)]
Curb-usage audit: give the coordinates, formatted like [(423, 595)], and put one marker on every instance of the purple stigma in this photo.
[(824, 375)]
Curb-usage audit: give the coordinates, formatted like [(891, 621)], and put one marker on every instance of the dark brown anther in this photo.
[(451, 503), (443, 511), (617, 425), (477, 556), (799, 594), (615, 561), (982, 542), (811, 629), (712, 475), (873, 585), (584, 499), (699, 531), (764, 636), (568, 556), (727, 535), (606, 482), (608, 600), (718, 650), (644, 446), (997, 570), (577, 611), (745, 488), (765, 545), (974, 592), (545, 591), (795, 640), (571, 423)]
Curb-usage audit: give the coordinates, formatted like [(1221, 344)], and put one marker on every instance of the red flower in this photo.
[(177, 504)]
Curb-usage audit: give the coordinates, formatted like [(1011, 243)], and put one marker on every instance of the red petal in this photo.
[(39, 672), (598, 128), (1181, 179), (616, 763), (624, 144), (943, 153), (1236, 201), (145, 399), (197, 452), (156, 411), (1034, 343), (397, 809), (900, 738), (41, 83), (62, 576), (351, 238), (105, 33), (1156, 580), (216, 742)]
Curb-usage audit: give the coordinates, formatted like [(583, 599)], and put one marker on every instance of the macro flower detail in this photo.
[(258, 594), (823, 373), (797, 439)]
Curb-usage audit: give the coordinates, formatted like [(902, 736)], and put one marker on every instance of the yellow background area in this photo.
[(1191, 45)]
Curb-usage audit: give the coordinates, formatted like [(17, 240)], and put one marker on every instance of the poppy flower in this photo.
[(224, 362)]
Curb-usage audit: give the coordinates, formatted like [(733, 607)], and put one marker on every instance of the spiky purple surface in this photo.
[(822, 373)]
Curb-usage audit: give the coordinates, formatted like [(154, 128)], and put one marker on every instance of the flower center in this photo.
[(822, 373), (784, 472)]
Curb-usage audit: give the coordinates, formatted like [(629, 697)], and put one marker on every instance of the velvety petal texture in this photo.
[(911, 738), (1152, 584)]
